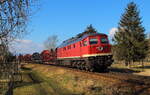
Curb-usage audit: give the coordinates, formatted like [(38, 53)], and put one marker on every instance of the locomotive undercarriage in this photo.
[(93, 63)]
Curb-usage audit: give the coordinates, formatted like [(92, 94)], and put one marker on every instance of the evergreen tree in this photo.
[(130, 39), (88, 30)]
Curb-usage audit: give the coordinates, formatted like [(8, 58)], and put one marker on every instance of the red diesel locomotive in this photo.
[(89, 52)]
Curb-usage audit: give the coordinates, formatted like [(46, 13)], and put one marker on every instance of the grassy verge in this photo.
[(60, 81), (41, 79), (37, 84)]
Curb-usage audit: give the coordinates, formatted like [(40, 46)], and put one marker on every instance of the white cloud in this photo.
[(23, 41), (25, 46), (112, 32)]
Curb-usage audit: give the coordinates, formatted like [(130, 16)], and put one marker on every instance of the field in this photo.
[(51, 80)]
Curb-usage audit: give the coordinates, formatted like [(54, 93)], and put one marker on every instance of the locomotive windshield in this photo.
[(93, 41), (104, 40)]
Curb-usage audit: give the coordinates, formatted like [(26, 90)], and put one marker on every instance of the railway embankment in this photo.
[(41, 79)]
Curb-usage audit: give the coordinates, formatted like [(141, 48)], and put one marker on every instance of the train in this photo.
[(90, 52), (45, 57)]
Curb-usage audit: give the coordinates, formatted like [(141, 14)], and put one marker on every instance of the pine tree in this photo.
[(130, 39), (89, 30)]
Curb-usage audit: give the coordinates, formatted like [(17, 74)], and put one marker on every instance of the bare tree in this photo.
[(51, 42), (13, 19)]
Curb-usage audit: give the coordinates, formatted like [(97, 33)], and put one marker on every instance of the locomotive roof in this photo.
[(76, 39)]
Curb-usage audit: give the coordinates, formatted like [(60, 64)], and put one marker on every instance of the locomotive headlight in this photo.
[(100, 48)]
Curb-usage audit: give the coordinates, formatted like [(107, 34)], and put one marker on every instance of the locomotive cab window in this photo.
[(74, 45), (85, 43), (68, 47), (80, 44), (93, 41), (104, 40), (64, 48)]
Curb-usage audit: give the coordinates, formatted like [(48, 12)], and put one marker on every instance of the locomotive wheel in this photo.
[(78, 65), (86, 68), (72, 64), (83, 65), (89, 65), (91, 70), (75, 64)]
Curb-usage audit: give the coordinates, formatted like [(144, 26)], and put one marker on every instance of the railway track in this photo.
[(113, 76), (123, 77)]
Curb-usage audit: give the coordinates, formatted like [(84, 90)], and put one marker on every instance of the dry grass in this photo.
[(31, 86), (78, 83)]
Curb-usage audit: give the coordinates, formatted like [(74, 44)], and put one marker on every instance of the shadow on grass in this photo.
[(139, 92), (22, 84), (144, 83), (145, 67), (24, 68), (34, 79), (122, 70)]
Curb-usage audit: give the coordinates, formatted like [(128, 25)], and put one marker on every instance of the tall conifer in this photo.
[(130, 39)]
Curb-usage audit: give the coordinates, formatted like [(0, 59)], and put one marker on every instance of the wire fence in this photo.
[(10, 74)]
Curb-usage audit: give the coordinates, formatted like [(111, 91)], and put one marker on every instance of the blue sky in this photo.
[(66, 18)]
